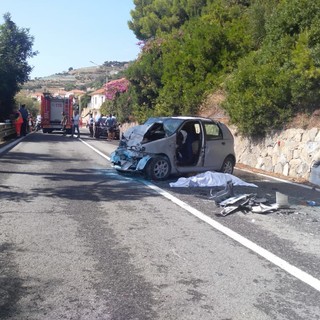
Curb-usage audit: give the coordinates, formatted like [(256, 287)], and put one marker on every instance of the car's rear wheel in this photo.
[(158, 168), (228, 165)]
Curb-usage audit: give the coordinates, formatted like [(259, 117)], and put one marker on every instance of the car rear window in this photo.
[(213, 131)]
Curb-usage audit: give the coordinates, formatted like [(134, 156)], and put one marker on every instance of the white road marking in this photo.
[(281, 180), (95, 150), (284, 265), (296, 272)]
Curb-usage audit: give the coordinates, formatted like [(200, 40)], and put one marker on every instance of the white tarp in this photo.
[(210, 179)]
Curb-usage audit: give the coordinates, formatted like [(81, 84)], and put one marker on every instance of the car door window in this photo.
[(189, 143), (212, 131)]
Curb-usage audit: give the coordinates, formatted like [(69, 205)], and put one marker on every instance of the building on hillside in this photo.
[(98, 97), (77, 92), (35, 96), (60, 93)]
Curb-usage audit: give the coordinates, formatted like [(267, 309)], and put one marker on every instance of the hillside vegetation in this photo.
[(81, 78), (262, 55)]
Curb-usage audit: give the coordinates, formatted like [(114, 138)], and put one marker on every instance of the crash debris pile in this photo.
[(226, 199), (231, 203)]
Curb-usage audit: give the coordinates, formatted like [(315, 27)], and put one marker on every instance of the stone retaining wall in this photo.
[(290, 153)]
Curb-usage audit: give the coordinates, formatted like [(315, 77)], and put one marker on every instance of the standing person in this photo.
[(97, 120), (110, 127), (75, 125), (64, 121), (115, 127), (38, 122), (24, 114), (91, 121), (30, 123), (18, 122)]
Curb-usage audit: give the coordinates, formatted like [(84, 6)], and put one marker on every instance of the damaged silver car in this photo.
[(175, 145)]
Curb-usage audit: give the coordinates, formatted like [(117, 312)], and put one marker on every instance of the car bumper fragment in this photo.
[(142, 163), (126, 162)]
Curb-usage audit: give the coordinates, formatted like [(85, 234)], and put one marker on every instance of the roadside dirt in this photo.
[(211, 109)]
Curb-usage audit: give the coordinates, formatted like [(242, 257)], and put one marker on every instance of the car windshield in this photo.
[(170, 125)]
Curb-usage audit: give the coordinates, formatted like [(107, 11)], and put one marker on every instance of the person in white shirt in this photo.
[(90, 124), (75, 124)]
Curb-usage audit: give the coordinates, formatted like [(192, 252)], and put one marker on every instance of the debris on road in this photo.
[(226, 193), (311, 203), (282, 200), (244, 202)]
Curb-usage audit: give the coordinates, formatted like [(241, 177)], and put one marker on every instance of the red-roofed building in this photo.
[(98, 97)]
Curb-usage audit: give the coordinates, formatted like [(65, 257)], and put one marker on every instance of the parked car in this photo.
[(103, 131), (175, 145)]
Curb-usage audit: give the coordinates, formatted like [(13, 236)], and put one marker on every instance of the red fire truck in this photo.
[(51, 112)]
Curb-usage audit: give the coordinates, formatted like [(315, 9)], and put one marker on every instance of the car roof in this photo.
[(156, 119), (226, 131)]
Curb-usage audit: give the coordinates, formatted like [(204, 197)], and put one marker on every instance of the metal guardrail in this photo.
[(7, 130)]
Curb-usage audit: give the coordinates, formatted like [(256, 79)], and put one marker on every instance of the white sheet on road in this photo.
[(210, 179)]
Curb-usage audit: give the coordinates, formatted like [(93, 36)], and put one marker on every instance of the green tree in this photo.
[(282, 77), (265, 54), (85, 100), (123, 106), (258, 96), (15, 48), (119, 106), (197, 57), (153, 16), (105, 107), (145, 79), (32, 105), (177, 69), (69, 86), (258, 13)]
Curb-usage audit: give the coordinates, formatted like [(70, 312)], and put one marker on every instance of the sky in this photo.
[(74, 34)]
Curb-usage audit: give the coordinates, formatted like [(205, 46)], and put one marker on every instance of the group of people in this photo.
[(94, 125), (22, 122), (22, 119)]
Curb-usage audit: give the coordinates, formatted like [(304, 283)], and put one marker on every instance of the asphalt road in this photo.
[(80, 241)]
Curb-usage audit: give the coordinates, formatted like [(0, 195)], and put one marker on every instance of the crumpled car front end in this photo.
[(128, 160), (131, 155)]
